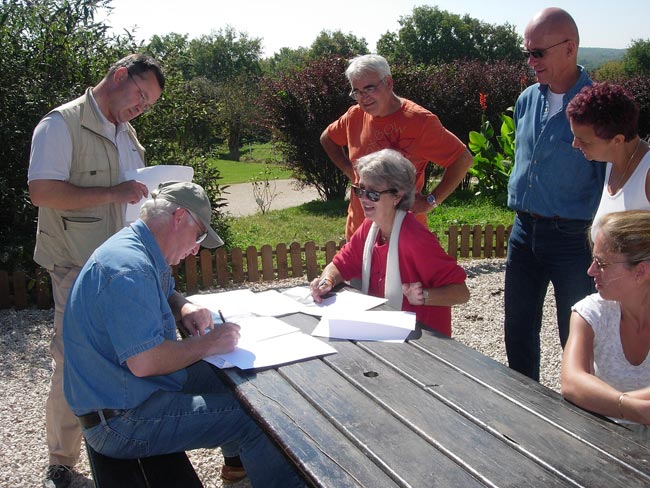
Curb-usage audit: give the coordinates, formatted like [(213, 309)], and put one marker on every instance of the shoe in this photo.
[(58, 476), (232, 474)]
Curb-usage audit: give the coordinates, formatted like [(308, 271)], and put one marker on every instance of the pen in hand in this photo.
[(223, 320)]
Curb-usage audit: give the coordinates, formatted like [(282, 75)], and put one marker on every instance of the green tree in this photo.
[(230, 61), (431, 36), (637, 58), (284, 60), (337, 43), (297, 106), (610, 71), (51, 51)]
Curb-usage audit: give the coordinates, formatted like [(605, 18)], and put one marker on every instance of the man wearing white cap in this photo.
[(136, 390)]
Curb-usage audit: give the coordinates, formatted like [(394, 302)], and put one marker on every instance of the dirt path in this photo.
[(241, 201)]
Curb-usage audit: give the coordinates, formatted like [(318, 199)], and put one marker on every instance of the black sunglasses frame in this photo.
[(373, 196), (539, 53)]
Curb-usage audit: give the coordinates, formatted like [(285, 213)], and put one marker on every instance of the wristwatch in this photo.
[(425, 295), (431, 200)]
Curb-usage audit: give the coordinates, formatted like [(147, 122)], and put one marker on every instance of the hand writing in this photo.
[(320, 287)]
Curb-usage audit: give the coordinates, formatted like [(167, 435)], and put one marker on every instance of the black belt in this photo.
[(539, 217), (92, 419)]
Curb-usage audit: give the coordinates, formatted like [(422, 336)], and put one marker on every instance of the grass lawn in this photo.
[(325, 221), (256, 161)]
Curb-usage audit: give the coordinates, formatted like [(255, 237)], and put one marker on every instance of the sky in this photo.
[(297, 23)]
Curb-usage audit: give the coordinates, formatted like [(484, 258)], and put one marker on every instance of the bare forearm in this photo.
[(337, 155), (63, 195), (448, 295), (453, 176), (169, 357)]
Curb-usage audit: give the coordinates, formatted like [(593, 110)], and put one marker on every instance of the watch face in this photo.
[(431, 199)]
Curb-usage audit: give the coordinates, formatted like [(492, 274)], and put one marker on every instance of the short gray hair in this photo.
[(157, 210), (390, 168), (367, 64)]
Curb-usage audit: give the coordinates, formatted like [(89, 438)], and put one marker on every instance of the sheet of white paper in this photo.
[(379, 325), (341, 302), (233, 304), (274, 351), (272, 303), (254, 329), (152, 176), (238, 303)]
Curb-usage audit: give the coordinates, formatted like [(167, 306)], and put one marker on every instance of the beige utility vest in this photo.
[(68, 237)]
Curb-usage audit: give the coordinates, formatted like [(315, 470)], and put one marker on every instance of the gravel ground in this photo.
[(24, 377)]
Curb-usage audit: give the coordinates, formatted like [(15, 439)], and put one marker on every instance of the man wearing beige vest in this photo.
[(80, 154)]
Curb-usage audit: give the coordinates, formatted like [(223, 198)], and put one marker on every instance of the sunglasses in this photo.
[(372, 195), (539, 53)]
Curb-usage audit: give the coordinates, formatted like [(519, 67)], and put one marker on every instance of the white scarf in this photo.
[(393, 282)]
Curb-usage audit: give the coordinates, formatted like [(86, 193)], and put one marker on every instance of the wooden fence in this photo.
[(219, 268)]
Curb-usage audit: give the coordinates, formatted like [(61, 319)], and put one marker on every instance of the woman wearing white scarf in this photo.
[(394, 255)]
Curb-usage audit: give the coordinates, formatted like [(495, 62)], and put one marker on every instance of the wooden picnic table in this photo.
[(432, 412)]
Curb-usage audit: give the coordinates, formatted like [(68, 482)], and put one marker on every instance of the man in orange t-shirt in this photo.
[(382, 120)]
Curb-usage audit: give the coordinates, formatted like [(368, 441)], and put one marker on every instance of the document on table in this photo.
[(373, 325), (236, 303), (267, 341), (341, 302), (152, 176)]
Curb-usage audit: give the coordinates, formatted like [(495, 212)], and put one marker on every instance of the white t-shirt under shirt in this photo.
[(631, 196), (51, 153)]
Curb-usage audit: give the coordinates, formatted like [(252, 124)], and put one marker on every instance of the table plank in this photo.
[(592, 429), (320, 451), (432, 412), (455, 436), (523, 428)]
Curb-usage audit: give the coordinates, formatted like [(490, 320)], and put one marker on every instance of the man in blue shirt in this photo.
[(553, 189), (135, 389)]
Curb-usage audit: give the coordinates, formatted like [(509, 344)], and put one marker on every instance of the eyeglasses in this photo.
[(356, 94), (601, 265), (143, 98), (372, 195), (200, 237), (539, 53)]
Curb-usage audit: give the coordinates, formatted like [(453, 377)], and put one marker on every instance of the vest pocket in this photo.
[(82, 235)]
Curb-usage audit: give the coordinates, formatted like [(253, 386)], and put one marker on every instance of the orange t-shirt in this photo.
[(412, 130)]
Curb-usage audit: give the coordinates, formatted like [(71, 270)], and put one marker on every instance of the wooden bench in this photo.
[(166, 471)]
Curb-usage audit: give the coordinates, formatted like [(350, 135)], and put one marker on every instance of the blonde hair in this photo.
[(627, 233)]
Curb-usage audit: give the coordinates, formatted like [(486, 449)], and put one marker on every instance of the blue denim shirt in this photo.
[(118, 308), (550, 177)]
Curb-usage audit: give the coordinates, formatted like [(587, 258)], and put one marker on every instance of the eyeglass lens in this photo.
[(201, 237), (539, 53), (143, 98), (373, 196)]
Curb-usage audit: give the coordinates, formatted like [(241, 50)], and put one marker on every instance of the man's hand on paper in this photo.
[(223, 338), (196, 319), (130, 191)]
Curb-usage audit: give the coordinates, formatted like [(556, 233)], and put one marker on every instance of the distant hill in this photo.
[(592, 57)]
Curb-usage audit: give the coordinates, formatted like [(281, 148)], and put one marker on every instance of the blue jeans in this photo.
[(542, 250), (206, 414)]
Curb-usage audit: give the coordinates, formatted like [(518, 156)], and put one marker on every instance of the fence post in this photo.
[(5, 293)]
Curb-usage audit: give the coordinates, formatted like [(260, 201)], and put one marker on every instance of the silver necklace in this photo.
[(627, 167)]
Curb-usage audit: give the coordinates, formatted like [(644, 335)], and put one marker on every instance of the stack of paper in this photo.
[(341, 302), (380, 325), (265, 340)]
